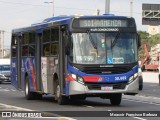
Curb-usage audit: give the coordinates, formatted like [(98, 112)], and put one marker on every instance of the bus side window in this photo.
[(14, 40), (54, 41), (25, 38), (24, 50), (32, 50), (46, 49), (32, 38), (46, 36), (54, 49), (14, 51), (14, 46), (55, 35)]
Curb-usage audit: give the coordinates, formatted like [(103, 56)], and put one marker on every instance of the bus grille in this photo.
[(94, 86), (99, 70)]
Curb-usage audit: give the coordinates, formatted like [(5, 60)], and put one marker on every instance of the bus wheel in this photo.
[(115, 99), (31, 95), (140, 87), (58, 97), (78, 97)]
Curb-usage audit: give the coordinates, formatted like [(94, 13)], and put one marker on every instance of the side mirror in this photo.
[(138, 40)]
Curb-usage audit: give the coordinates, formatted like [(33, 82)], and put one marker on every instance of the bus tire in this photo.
[(28, 94), (140, 87), (78, 97), (116, 98), (58, 97)]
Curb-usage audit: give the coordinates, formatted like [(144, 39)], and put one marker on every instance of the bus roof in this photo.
[(61, 20)]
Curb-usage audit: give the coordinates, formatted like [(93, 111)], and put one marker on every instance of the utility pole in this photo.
[(52, 4), (2, 43), (53, 7), (97, 12), (107, 7), (131, 8)]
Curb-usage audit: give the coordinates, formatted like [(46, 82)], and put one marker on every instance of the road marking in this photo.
[(4, 90), (139, 118), (109, 110), (153, 85), (65, 118), (13, 90), (152, 103), (88, 106), (57, 118), (148, 97), (18, 108)]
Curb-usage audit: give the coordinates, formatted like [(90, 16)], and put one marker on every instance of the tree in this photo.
[(144, 39), (149, 40)]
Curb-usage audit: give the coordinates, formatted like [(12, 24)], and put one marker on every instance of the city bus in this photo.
[(74, 57)]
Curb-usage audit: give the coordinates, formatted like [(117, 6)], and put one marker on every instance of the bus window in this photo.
[(31, 38), (46, 49), (31, 50), (14, 46), (24, 50), (54, 35), (25, 39), (14, 51), (14, 40), (46, 36), (54, 49)]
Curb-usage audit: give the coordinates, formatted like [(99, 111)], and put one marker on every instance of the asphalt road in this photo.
[(147, 100)]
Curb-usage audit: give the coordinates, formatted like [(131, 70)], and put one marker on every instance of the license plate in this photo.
[(106, 88)]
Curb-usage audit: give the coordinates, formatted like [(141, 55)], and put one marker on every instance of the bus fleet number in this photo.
[(121, 78)]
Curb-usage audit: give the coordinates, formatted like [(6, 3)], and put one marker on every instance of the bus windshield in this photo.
[(103, 48)]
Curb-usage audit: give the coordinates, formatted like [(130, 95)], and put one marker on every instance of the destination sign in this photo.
[(91, 23)]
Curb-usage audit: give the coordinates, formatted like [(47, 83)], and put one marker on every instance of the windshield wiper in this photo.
[(115, 40), (91, 40)]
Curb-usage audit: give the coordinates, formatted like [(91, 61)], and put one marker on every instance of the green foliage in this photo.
[(149, 40)]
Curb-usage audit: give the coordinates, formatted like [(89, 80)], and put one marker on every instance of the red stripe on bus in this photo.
[(33, 75), (69, 78), (91, 78)]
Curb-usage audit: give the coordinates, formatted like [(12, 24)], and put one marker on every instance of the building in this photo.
[(152, 30)]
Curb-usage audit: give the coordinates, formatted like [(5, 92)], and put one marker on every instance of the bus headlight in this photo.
[(133, 77), (77, 78), (74, 76)]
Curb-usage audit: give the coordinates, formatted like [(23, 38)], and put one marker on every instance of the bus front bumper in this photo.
[(76, 88)]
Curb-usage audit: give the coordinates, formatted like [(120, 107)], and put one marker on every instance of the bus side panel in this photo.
[(47, 64), (14, 80), (29, 68), (50, 71), (44, 74)]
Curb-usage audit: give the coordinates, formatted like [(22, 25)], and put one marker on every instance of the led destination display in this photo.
[(91, 23)]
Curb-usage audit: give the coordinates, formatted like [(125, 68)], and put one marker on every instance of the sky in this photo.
[(21, 13)]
